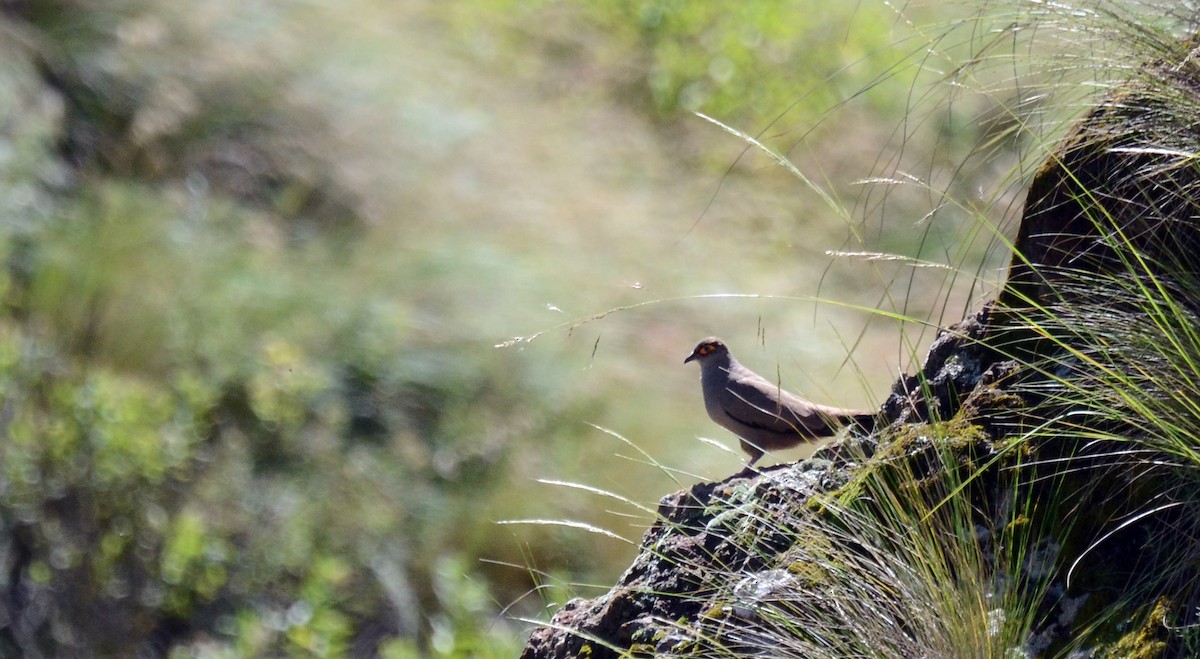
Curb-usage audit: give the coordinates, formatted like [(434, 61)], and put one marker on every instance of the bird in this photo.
[(760, 412)]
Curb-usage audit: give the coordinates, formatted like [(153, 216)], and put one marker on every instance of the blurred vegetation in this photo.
[(748, 63), (256, 256)]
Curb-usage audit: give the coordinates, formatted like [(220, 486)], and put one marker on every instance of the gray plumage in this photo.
[(760, 412)]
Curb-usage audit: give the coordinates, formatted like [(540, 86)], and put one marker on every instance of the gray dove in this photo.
[(761, 413)]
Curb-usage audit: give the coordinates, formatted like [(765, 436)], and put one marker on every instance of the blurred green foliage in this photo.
[(748, 60), (748, 63), (210, 450)]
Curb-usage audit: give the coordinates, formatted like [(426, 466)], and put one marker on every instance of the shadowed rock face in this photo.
[(1125, 181), (1117, 202)]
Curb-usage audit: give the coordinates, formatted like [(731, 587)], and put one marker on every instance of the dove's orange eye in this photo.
[(708, 347)]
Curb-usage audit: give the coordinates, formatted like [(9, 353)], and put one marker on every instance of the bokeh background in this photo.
[(259, 258)]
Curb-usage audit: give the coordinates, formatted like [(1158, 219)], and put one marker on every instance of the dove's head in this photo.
[(708, 350)]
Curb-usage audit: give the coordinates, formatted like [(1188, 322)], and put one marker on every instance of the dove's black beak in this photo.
[(690, 358)]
